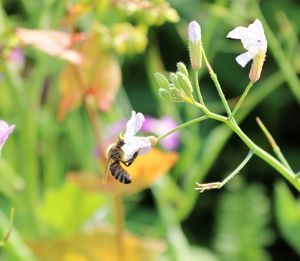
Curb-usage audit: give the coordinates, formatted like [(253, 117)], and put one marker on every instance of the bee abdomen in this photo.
[(119, 173)]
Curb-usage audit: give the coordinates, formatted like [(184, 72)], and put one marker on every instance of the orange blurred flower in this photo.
[(144, 172), (55, 43), (98, 76), (99, 244)]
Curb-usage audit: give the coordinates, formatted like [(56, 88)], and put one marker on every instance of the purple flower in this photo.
[(16, 55), (160, 127), (5, 130)]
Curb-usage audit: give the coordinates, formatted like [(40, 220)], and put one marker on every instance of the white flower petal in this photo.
[(244, 58), (133, 125), (136, 144), (237, 33), (253, 40)]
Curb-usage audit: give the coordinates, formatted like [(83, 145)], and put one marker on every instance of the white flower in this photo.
[(253, 39), (134, 143)]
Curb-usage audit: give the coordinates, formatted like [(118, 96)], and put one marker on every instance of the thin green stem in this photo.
[(119, 229), (202, 118), (283, 170), (198, 87), (273, 144), (218, 185), (217, 84), (238, 105)]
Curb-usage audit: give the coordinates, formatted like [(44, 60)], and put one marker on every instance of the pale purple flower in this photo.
[(16, 56), (5, 131), (194, 32), (160, 127)]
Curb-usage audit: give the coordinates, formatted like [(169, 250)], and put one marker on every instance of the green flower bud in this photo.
[(185, 83), (182, 68), (174, 80), (176, 94), (161, 80), (164, 93)]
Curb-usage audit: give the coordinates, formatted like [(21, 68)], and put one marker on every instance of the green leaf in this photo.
[(242, 225), (287, 210), (67, 207)]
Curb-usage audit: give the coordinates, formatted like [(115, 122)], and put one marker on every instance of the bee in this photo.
[(115, 157)]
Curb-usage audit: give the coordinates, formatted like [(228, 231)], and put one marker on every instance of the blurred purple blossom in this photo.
[(16, 56), (5, 130), (160, 127)]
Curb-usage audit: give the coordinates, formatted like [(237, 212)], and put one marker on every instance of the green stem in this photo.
[(283, 170), (218, 185), (217, 84), (274, 145), (202, 118), (237, 106), (198, 87)]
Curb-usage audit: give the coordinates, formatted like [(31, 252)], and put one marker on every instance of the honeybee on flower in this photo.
[(127, 147)]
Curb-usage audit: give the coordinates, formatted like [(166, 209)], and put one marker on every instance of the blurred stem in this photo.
[(178, 244), (11, 220), (198, 87), (217, 185), (119, 215), (216, 82), (238, 105), (273, 144), (27, 133), (283, 62), (202, 118)]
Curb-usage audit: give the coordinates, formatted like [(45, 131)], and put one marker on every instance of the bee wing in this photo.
[(104, 176)]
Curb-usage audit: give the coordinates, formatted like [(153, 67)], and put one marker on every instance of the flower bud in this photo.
[(164, 93), (161, 80), (185, 83), (182, 68), (176, 95), (195, 45), (256, 67), (174, 80)]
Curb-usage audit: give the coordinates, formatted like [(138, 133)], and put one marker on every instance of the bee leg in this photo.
[(130, 161)]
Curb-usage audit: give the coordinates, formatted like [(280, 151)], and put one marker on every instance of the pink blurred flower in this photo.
[(16, 55), (5, 131), (160, 127)]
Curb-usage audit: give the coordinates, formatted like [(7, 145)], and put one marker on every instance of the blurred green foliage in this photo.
[(244, 221)]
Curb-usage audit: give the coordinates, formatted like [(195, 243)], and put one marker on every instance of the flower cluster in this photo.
[(178, 88)]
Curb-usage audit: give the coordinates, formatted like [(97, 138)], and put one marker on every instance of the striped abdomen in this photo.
[(119, 173)]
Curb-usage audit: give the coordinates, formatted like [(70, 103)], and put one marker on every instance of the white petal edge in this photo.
[(137, 144), (244, 58), (133, 125)]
